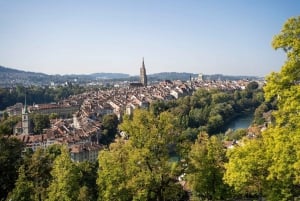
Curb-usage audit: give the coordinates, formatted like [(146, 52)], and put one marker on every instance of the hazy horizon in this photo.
[(84, 37), (131, 75)]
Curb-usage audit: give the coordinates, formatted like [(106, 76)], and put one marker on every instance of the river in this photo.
[(241, 122)]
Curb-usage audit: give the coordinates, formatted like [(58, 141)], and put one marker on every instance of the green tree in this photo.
[(259, 111), (158, 106), (88, 177), (38, 170), (269, 166), (65, 179), (23, 188), (235, 134), (110, 127), (198, 117), (85, 195), (53, 116), (6, 126), (35, 172), (36, 94), (206, 169), (283, 138), (221, 97), (281, 144), (140, 168), (215, 124), (112, 177), (201, 98), (10, 160), (40, 122), (246, 169), (252, 86), (284, 85)]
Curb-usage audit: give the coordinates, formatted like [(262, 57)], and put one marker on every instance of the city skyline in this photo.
[(83, 37)]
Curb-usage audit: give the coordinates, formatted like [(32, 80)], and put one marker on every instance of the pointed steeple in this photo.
[(143, 64), (143, 75), (25, 119), (25, 109)]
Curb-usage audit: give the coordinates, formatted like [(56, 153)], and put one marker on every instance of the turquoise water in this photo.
[(241, 122)]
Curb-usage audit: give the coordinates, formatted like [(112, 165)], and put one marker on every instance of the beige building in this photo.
[(61, 110), (85, 152)]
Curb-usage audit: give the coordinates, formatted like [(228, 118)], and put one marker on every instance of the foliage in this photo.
[(215, 123), (35, 171), (36, 94), (212, 110), (269, 166), (158, 106), (111, 176), (40, 122), (246, 169), (283, 153), (237, 134), (85, 195), (7, 125), (109, 125), (23, 188), (198, 117), (252, 85), (139, 168), (283, 138), (206, 169), (49, 174), (53, 116), (10, 160), (88, 176), (65, 178), (259, 111), (39, 169)]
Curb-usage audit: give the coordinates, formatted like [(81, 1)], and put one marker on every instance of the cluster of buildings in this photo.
[(79, 125), (80, 134)]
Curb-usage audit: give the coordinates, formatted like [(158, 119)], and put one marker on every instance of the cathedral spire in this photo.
[(143, 64), (143, 75)]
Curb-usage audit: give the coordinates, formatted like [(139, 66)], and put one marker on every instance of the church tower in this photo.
[(25, 120), (143, 75)]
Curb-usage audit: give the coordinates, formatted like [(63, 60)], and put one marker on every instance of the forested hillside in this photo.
[(36, 94), (177, 150)]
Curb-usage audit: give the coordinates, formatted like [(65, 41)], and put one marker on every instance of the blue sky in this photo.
[(231, 37)]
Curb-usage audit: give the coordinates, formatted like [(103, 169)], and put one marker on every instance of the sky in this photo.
[(231, 37)]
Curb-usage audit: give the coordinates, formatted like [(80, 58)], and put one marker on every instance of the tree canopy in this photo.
[(206, 169), (10, 160), (269, 166), (140, 168), (65, 178)]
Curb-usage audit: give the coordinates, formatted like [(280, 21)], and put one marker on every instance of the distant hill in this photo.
[(11, 70), (230, 77), (187, 76), (109, 75), (12, 77), (172, 76)]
